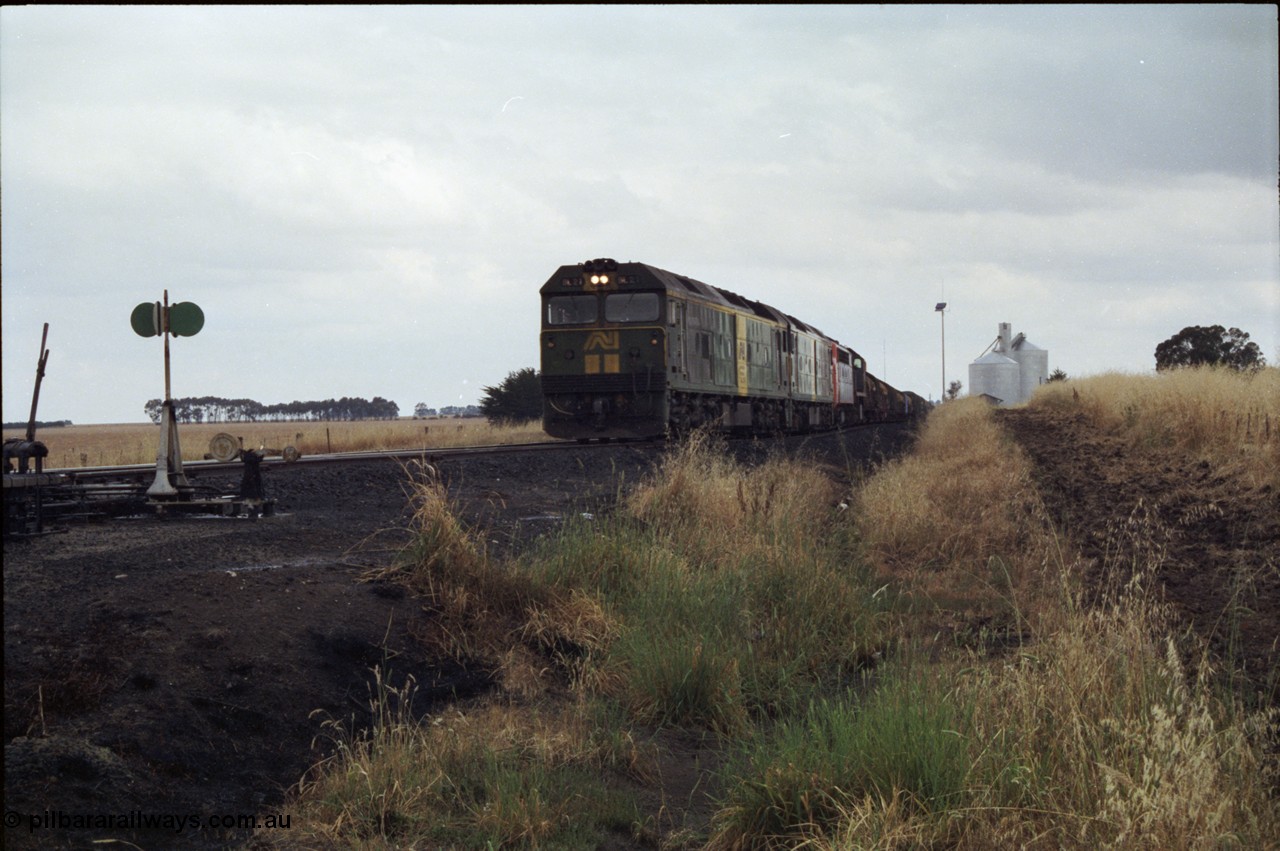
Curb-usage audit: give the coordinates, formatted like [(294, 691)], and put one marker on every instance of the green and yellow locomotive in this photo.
[(630, 351)]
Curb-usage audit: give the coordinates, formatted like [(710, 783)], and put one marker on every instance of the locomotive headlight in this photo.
[(600, 280)]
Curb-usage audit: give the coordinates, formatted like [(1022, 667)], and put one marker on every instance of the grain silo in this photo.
[(996, 376), (1033, 362), (1011, 371)]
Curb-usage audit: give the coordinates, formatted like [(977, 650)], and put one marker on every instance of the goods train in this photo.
[(630, 351)]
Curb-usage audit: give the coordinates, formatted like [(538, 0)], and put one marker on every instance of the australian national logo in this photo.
[(607, 342)]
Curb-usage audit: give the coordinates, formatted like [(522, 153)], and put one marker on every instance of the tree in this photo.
[(1211, 345), (953, 389), (1057, 375), (517, 399)]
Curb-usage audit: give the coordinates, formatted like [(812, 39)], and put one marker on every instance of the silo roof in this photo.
[(995, 357)]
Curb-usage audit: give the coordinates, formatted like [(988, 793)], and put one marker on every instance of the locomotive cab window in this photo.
[(631, 307), (572, 309)]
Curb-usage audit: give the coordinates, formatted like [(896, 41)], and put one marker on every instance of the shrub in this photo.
[(517, 399)]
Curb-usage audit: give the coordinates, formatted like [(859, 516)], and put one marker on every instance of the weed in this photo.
[(900, 743), (485, 778)]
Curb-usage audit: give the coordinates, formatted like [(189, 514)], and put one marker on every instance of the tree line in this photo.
[(40, 424), (215, 409)]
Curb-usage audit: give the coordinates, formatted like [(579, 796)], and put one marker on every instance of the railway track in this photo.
[(61, 495), (197, 468)]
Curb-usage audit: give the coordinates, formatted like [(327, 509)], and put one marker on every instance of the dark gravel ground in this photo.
[(177, 671)]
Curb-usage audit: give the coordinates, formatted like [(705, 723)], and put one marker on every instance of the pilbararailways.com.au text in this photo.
[(140, 820)]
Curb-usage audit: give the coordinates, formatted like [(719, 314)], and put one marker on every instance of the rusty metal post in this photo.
[(35, 396)]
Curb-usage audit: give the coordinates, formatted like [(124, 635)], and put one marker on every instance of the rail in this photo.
[(197, 467)]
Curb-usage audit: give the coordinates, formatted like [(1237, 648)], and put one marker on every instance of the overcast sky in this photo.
[(365, 200)]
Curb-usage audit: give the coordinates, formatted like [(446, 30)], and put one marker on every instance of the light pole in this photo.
[(941, 308)]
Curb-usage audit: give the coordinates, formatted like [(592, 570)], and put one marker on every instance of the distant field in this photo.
[(136, 443)]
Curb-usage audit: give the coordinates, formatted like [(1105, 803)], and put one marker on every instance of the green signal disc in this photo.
[(185, 319), (145, 319)]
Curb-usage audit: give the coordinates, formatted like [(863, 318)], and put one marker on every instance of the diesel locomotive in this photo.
[(631, 351)]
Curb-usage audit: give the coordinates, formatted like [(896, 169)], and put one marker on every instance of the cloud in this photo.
[(366, 199)]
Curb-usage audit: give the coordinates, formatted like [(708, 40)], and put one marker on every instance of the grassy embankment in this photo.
[(909, 665), (1221, 416), (136, 443)]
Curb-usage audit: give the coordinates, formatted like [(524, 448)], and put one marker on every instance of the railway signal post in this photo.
[(155, 319)]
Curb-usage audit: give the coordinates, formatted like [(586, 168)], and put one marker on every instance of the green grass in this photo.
[(799, 777), (716, 635)]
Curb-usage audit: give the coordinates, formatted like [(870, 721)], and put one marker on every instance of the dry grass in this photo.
[(478, 603), (958, 521), (1093, 734), (955, 502), (136, 443), (502, 773), (721, 514), (493, 776), (1096, 735), (1221, 415)]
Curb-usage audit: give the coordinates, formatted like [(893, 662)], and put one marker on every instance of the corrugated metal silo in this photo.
[(1033, 362), (998, 376)]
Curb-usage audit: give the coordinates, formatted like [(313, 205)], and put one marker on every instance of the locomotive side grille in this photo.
[(655, 382)]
